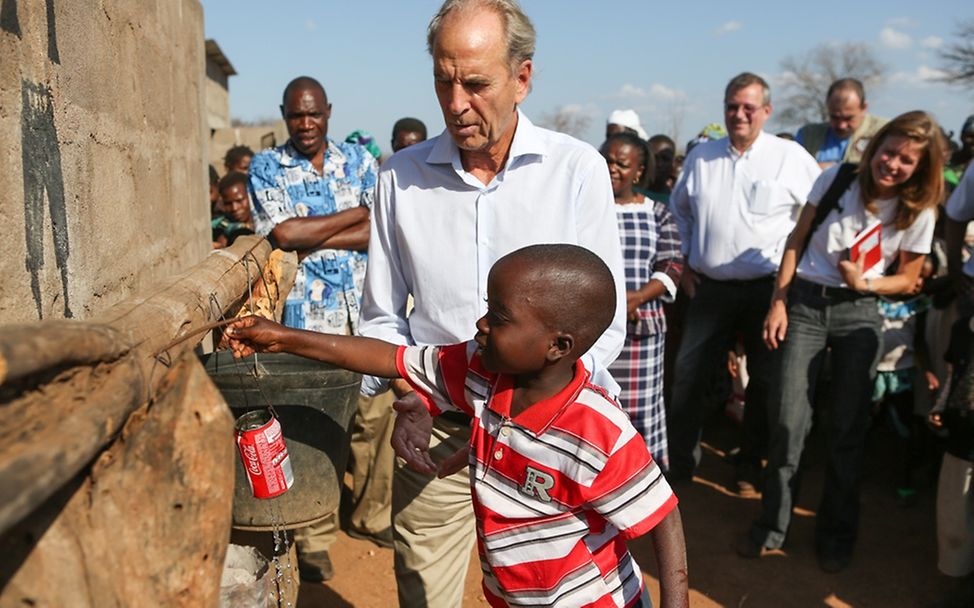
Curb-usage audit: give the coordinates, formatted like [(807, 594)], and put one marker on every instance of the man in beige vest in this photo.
[(845, 136)]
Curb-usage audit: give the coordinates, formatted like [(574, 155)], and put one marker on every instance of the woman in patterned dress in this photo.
[(653, 263)]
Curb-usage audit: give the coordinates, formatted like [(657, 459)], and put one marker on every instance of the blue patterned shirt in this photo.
[(327, 292)]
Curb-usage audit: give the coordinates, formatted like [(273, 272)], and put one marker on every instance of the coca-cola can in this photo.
[(263, 453)]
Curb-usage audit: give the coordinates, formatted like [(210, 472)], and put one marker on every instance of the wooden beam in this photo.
[(68, 387), (148, 525)]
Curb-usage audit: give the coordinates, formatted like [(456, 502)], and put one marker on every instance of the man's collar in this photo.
[(527, 142), (290, 157), (756, 144), (539, 416)]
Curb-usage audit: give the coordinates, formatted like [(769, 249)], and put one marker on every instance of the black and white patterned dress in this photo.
[(650, 250)]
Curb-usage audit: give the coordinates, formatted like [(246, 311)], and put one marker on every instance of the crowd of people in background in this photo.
[(828, 269)]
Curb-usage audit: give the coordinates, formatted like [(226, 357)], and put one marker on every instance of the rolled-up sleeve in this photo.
[(668, 264)]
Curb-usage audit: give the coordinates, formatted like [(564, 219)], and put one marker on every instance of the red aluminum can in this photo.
[(263, 453)]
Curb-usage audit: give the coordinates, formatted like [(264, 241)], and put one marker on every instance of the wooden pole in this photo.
[(67, 387)]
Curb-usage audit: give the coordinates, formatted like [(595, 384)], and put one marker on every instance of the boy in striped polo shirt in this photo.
[(560, 479)]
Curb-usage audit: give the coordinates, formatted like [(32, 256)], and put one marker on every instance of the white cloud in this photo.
[(904, 22), (928, 73), (310, 25), (895, 39), (655, 92), (665, 93), (932, 42), (921, 77), (730, 26), (630, 91), (577, 108)]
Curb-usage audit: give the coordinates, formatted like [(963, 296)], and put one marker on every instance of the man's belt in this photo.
[(836, 294), (742, 282)]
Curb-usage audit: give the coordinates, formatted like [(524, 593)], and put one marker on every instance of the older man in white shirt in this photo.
[(447, 209), (735, 204)]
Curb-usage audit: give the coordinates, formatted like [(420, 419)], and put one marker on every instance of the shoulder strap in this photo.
[(843, 179)]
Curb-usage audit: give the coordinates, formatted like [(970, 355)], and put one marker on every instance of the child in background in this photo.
[(237, 219), (902, 364), (560, 479), (737, 370)]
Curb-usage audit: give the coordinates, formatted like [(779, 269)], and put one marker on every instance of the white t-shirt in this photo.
[(820, 262)]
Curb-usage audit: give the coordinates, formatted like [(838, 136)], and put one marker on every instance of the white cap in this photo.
[(629, 119)]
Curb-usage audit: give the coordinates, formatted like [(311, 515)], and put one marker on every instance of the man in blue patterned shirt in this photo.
[(314, 196)]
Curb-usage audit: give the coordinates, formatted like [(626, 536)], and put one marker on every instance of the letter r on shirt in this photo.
[(537, 483)]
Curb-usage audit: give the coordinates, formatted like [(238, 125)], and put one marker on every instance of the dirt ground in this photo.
[(894, 564)]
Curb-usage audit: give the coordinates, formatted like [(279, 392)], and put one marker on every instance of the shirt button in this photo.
[(506, 431), (498, 454)]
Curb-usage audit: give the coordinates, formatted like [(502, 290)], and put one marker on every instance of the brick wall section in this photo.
[(102, 146)]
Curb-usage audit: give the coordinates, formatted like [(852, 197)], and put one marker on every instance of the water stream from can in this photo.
[(283, 572)]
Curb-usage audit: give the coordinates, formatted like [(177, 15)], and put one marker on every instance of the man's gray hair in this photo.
[(518, 30), (746, 79)]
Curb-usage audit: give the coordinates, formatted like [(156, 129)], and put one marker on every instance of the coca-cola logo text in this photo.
[(250, 455)]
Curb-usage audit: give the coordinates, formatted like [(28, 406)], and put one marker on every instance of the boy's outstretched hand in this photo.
[(249, 335), (411, 434)]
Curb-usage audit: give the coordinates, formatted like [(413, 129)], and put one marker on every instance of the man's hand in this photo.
[(776, 324), (249, 335), (689, 281), (411, 434), (455, 462)]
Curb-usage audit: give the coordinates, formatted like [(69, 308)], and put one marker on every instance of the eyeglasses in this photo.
[(732, 108)]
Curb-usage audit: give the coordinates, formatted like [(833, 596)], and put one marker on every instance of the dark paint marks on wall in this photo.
[(9, 22), (52, 52), (42, 173), (8, 17)]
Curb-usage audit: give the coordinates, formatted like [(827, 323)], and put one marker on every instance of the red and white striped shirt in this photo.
[(556, 491)]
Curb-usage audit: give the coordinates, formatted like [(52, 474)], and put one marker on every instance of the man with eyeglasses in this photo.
[(845, 136), (735, 203)]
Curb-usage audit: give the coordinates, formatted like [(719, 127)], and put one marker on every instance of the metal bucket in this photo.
[(315, 403)]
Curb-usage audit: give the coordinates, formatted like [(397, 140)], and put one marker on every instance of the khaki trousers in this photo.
[(433, 525), (371, 461)]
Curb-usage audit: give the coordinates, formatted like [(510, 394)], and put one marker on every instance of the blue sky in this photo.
[(668, 60)]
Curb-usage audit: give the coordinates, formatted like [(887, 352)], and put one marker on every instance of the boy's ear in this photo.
[(561, 346)]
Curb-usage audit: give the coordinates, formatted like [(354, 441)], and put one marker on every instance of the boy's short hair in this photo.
[(575, 289), (232, 179), (236, 154)]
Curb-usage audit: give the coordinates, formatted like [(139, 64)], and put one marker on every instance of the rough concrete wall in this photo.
[(102, 147), (217, 97)]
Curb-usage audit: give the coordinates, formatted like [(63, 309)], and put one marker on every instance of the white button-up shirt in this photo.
[(735, 210), (437, 230)]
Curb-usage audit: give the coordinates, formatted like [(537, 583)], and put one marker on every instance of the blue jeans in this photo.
[(851, 327), (719, 310)]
